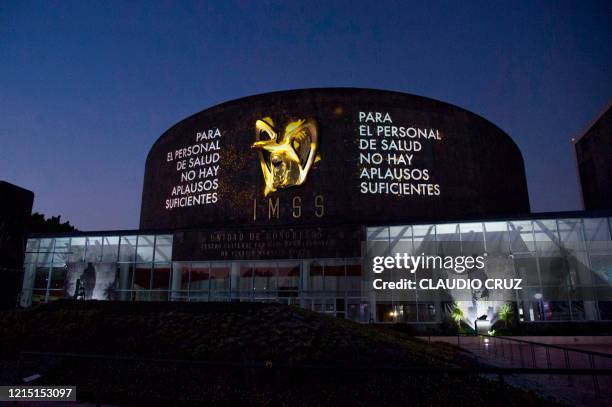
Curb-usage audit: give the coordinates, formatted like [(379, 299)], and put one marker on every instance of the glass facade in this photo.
[(565, 263), (131, 267), (137, 267)]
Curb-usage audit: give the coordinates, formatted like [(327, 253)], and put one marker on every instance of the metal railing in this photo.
[(555, 362), (496, 345)]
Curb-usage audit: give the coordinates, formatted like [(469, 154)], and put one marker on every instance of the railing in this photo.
[(554, 360), (27, 368)]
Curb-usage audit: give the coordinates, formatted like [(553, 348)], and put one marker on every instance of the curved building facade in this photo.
[(294, 196), (330, 156)]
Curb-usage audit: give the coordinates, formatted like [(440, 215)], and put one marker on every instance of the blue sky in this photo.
[(86, 88)]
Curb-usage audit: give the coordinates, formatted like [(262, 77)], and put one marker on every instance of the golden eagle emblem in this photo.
[(285, 160)]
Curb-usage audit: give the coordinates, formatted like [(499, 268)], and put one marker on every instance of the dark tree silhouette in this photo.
[(38, 224)]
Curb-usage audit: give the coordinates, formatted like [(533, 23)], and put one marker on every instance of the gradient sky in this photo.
[(86, 88)]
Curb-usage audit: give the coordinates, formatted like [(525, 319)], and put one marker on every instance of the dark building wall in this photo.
[(594, 159), (15, 211), (473, 168)]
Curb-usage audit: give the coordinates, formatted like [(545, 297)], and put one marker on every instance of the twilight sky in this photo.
[(86, 88)]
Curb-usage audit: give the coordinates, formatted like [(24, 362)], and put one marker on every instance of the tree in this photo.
[(38, 224)]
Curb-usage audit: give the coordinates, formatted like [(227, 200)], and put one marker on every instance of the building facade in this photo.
[(565, 261), (15, 210), (593, 149), (291, 196)]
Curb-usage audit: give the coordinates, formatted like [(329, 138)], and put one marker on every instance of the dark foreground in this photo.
[(233, 353)]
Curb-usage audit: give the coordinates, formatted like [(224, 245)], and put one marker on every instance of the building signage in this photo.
[(268, 243), (329, 156)]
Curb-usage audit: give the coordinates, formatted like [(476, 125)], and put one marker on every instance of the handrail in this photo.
[(586, 352), (271, 365)]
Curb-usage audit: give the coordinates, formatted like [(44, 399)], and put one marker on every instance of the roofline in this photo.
[(592, 123), (327, 89), (600, 213)]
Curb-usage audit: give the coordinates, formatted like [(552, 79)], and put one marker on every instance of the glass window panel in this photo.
[(110, 249), (597, 233), (448, 240), (427, 312), (521, 236), (556, 310), (29, 274), (380, 234), (77, 249), (315, 279), (163, 248), (472, 239), (126, 277), (127, 248), (200, 277), (579, 270), (601, 265), (424, 237), (605, 310), (180, 276), (246, 279), (161, 276), (554, 270), (546, 236), (42, 277), (334, 275), (44, 258), (378, 240), (142, 277), (46, 245), (397, 233), (526, 268), (30, 258), (401, 242), (357, 310), (107, 280), (94, 249), (144, 252), (60, 258), (32, 245), (288, 276), (496, 236), (62, 244), (401, 239), (265, 276), (353, 277), (532, 305), (58, 278), (578, 310), (570, 232), (406, 312), (220, 277)]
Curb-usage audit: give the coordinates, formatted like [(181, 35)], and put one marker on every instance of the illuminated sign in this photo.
[(285, 160), (389, 157), (330, 156)]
